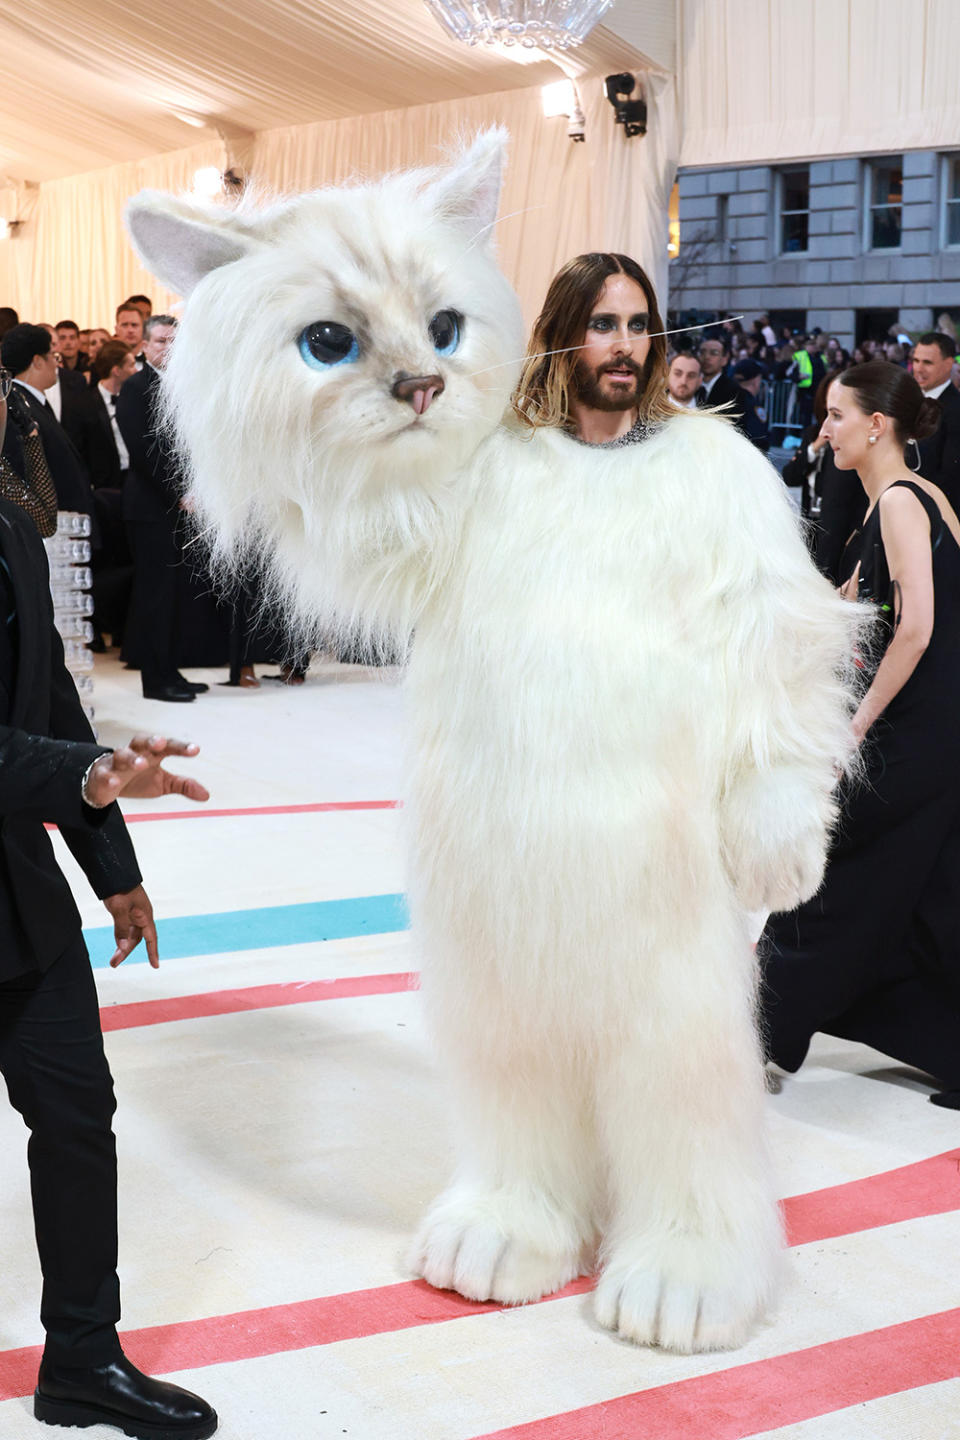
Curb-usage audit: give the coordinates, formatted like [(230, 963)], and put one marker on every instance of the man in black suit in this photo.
[(717, 387), (933, 359), (748, 375), (51, 1046), (27, 352), (109, 465), (130, 328), (152, 509), (108, 459), (72, 357)]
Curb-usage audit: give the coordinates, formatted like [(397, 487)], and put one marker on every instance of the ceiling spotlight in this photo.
[(561, 98), (207, 182), (631, 114)]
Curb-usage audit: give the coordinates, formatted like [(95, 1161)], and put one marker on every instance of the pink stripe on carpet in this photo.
[(928, 1187), (254, 997), (785, 1390), (201, 812), (906, 1193)]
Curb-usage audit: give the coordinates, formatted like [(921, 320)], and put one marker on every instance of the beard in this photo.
[(588, 386)]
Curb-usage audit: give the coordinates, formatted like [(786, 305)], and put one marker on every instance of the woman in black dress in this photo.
[(875, 955), (832, 500)]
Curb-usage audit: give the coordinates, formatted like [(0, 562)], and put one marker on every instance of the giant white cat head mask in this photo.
[(284, 389)]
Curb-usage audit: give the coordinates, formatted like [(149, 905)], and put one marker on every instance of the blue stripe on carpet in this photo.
[(261, 929)]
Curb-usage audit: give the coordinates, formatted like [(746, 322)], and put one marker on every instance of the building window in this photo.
[(885, 204), (723, 210), (951, 200), (794, 210)]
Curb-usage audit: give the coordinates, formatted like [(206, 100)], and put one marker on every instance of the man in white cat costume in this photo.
[(627, 702)]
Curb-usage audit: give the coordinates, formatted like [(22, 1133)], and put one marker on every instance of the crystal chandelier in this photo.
[(541, 24)]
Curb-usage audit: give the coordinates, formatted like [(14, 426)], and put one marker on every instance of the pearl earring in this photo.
[(873, 439)]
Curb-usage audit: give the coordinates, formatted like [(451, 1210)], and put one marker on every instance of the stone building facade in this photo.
[(851, 245)]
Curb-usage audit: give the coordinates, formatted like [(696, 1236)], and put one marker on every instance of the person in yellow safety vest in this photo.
[(804, 368), (806, 372)]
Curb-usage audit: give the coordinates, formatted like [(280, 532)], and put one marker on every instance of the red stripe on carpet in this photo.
[(249, 1333), (768, 1394), (929, 1187), (254, 997), (912, 1191), (203, 813)]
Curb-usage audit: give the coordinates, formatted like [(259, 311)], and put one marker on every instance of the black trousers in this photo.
[(157, 559), (57, 1077)]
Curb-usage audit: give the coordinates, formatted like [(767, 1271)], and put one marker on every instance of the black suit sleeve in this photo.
[(41, 776), (797, 470), (136, 416), (97, 839)]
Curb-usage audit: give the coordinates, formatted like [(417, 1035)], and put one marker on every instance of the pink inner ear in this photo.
[(471, 189)]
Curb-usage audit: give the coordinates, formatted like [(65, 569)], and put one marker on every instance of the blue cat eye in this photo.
[(326, 343), (444, 331)]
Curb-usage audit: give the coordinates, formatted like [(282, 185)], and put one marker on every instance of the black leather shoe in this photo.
[(119, 1394), (197, 686), (169, 692)]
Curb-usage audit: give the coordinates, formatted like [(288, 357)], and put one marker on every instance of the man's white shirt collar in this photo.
[(41, 395), (709, 384), (937, 391)]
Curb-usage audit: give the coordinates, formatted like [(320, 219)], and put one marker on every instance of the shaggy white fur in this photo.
[(628, 699)]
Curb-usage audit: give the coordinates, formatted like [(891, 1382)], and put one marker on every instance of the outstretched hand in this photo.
[(133, 921), (137, 770)]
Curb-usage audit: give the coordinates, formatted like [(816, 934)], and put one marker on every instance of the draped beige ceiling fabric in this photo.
[(778, 80), (86, 85), (298, 94), (560, 198)]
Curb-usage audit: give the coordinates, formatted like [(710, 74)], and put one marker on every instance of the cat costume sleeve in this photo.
[(628, 696)]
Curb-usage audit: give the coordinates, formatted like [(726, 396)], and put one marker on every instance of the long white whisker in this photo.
[(543, 354), (509, 216)]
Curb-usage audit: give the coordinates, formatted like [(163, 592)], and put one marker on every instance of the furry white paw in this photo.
[(683, 1300), (786, 880), (472, 1244), (775, 830)]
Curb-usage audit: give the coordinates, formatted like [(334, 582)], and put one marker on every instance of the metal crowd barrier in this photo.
[(778, 399)]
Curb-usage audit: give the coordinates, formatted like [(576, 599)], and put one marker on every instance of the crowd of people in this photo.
[(82, 435), (736, 369)]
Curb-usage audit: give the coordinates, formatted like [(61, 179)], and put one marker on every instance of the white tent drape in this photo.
[(560, 197), (73, 257), (778, 81)]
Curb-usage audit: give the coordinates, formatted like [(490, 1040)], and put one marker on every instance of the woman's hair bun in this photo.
[(928, 419)]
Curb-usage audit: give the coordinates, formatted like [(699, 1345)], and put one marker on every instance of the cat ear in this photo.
[(470, 189), (180, 242)]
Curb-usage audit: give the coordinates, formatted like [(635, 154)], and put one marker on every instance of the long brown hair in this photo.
[(542, 396)]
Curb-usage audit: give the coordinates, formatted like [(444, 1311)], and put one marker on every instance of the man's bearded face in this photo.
[(614, 385), (609, 368)]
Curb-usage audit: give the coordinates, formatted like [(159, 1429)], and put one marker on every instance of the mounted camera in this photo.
[(631, 114)]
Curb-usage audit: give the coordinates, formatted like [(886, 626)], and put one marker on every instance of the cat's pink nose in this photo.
[(419, 390)]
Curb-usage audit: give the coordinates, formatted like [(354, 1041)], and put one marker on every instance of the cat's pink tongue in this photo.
[(423, 398)]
